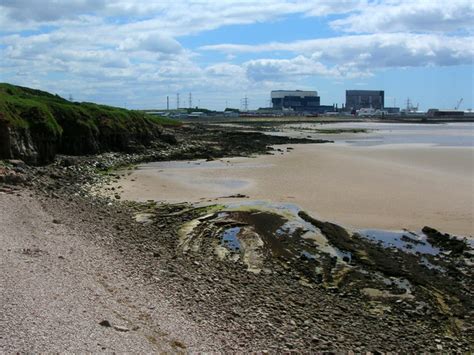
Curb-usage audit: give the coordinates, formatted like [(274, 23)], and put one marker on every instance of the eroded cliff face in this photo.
[(82, 140), (36, 147), (16, 143)]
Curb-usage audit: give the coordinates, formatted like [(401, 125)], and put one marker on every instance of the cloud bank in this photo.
[(136, 47)]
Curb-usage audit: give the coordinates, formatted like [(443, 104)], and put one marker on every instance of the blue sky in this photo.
[(133, 53)]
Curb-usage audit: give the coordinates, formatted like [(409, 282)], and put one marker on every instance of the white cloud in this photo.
[(270, 69), (152, 42), (48, 10), (403, 15), (174, 18), (190, 17), (372, 51), (225, 70)]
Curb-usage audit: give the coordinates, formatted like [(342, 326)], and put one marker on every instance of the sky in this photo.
[(133, 53)]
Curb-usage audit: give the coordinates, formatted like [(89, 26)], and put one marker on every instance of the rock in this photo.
[(69, 161), (117, 196), (17, 163), (105, 323), (121, 328), (9, 176)]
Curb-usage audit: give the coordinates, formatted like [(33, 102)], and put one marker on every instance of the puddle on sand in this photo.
[(199, 164), (185, 164), (406, 241), (232, 184)]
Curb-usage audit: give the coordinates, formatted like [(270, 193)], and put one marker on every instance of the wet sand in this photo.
[(386, 187)]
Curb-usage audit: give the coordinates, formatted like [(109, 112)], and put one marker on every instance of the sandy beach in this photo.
[(386, 187)]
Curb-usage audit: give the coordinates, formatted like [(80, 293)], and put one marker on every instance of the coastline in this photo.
[(219, 303)]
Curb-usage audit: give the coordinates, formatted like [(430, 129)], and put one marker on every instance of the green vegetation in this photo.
[(28, 108), (38, 110), (42, 124)]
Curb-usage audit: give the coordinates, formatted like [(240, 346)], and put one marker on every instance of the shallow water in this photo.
[(279, 226), (413, 243), (445, 135), (277, 221), (230, 239), (195, 164)]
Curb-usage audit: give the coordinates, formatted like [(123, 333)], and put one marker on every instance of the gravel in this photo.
[(61, 291)]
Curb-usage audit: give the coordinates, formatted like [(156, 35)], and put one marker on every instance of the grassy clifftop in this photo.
[(27, 108), (24, 107), (52, 124)]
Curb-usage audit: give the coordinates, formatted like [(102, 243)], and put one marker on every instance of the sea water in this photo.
[(439, 134)]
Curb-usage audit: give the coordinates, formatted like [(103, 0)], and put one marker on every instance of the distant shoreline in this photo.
[(327, 119)]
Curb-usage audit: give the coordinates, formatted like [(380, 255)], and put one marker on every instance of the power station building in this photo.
[(297, 100), (357, 99)]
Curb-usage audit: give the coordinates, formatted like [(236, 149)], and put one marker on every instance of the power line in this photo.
[(190, 100), (177, 101)]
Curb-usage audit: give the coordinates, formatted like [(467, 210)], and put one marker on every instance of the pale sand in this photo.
[(386, 187)]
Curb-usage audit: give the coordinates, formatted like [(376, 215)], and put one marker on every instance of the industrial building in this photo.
[(357, 99), (298, 101)]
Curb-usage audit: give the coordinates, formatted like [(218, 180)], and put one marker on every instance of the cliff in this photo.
[(36, 125)]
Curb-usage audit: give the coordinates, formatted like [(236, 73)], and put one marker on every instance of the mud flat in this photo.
[(385, 187)]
